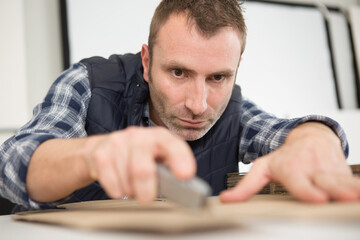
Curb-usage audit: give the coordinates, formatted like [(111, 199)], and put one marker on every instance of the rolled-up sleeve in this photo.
[(263, 132), (62, 114)]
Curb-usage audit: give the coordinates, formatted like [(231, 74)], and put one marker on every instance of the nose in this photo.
[(196, 96)]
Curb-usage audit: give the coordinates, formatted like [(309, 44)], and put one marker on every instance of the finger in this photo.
[(122, 168), (302, 188), (176, 153), (143, 174), (106, 172), (110, 183), (251, 184), (340, 188)]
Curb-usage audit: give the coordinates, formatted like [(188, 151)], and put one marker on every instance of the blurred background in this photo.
[(302, 56)]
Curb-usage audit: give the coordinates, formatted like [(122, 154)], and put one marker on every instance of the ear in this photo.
[(240, 61), (145, 58)]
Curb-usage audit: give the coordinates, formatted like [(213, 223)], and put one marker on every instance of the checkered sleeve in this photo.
[(263, 133), (61, 115)]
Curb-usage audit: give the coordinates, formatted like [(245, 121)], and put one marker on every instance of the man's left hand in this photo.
[(310, 164)]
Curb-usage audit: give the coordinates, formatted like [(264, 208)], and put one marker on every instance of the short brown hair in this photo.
[(209, 15)]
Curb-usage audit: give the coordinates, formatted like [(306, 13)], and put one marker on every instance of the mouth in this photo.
[(192, 123)]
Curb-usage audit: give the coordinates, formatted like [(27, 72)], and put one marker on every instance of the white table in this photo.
[(259, 229)]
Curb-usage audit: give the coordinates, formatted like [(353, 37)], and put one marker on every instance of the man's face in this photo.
[(191, 77)]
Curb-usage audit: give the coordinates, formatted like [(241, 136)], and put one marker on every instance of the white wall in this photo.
[(43, 47), (286, 65), (128, 27), (13, 81), (30, 58)]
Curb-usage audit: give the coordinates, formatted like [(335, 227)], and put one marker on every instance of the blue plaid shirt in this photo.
[(63, 112)]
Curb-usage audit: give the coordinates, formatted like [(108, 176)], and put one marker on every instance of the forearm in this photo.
[(263, 133), (58, 167)]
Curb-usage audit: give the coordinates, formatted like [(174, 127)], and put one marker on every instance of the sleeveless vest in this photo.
[(119, 94)]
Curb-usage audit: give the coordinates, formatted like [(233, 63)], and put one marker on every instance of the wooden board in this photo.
[(165, 217)]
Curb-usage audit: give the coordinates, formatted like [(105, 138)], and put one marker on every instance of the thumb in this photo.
[(252, 183)]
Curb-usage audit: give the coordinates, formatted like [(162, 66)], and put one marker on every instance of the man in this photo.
[(88, 139)]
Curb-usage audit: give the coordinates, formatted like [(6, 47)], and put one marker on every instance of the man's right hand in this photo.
[(123, 162)]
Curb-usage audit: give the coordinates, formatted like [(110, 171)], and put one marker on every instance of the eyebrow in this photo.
[(177, 65)]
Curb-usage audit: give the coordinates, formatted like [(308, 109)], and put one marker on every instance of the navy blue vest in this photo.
[(119, 94)]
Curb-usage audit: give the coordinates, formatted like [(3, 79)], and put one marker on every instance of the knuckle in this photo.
[(133, 135), (116, 139), (132, 131), (113, 137)]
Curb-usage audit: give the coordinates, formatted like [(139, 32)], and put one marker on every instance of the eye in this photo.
[(218, 78), (178, 73)]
